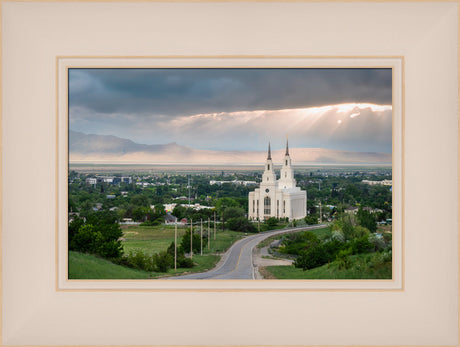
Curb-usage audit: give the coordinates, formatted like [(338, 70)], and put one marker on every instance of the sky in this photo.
[(236, 109)]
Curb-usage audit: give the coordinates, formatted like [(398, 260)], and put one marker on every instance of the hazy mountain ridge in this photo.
[(109, 148)]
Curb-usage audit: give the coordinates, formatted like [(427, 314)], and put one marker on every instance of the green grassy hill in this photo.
[(85, 266), (362, 267)]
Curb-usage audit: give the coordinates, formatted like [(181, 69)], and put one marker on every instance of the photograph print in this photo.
[(230, 173)]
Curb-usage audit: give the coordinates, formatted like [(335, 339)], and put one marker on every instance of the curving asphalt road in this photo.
[(237, 262)]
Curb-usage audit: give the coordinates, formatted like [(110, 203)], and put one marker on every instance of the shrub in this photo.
[(337, 235), (377, 242), (311, 258), (311, 219), (185, 242), (164, 261), (240, 224), (139, 261), (343, 259), (332, 248), (361, 245), (271, 223), (298, 242), (182, 260), (360, 231)]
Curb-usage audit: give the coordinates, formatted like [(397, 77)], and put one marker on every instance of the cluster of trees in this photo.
[(98, 233), (349, 235)]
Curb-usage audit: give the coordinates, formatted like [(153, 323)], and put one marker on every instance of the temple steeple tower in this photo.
[(269, 175), (277, 198), (287, 174)]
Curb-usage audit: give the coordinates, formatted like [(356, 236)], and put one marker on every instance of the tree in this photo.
[(240, 224), (87, 239), (159, 211), (224, 203), (140, 213), (311, 258), (367, 220), (233, 212), (100, 235), (140, 200), (185, 242), (182, 261), (74, 226), (180, 212), (311, 219)]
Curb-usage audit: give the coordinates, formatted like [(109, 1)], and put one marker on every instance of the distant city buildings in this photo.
[(91, 180), (379, 183), (196, 207), (354, 210), (236, 182), (109, 180)]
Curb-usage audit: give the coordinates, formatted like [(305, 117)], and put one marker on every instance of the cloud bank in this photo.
[(236, 109)]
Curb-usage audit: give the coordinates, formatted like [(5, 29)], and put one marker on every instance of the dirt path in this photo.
[(261, 258)]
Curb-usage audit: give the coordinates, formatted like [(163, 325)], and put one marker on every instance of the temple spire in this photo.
[(287, 146), (269, 152)]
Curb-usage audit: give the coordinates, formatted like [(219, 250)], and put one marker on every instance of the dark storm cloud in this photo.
[(176, 92)]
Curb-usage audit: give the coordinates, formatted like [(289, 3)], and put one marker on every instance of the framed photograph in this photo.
[(163, 176), (219, 166)]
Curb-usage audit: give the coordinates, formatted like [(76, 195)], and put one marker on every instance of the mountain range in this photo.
[(112, 149)]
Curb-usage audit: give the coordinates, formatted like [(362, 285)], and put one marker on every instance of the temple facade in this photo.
[(278, 198)]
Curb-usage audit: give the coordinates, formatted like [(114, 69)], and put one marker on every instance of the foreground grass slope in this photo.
[(363, 267), (86, 266)]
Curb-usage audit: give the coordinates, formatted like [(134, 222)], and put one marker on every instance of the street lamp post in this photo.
[(201, 237)]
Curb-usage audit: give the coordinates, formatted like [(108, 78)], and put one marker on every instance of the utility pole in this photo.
[(223, 208), (320, 213), (189, 188), (214, 225), (175, 246), (201, 237), (191, 238), (209, 233)]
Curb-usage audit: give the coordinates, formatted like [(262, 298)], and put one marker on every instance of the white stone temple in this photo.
[(278, 198)]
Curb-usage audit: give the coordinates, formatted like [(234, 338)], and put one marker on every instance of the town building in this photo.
[(278, 198), (378, 183), (91, 180), (235, 182)]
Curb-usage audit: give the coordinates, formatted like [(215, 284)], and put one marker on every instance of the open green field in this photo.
[(149, 239), (86, 266), (155, 239), (359, 270)]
